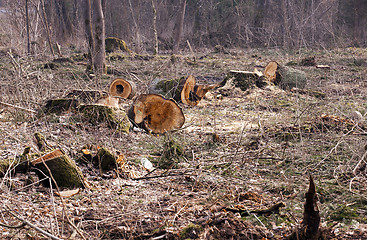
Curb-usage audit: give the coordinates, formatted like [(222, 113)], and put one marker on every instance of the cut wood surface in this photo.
[(156, 114), (122, 88), (191, 94), (62, 168), (285, 77)]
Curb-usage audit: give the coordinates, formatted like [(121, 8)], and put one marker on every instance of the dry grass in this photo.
[(266, 141)]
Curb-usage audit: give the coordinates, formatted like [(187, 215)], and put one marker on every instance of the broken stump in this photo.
[(310, 226), (156, 114), (63, 170)]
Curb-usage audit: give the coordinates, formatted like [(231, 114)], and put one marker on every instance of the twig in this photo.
[(17, 107), (360, 161), (159, 176), (9, 226), (25, 222)]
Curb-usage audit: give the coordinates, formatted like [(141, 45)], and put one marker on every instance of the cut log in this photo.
[(63, 170), (245, 79), (156, 114), (285, 77), (122, 88), (191, 94)]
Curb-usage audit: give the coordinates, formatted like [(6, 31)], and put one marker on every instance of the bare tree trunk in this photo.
[(136, 26), (89, 32), (155, 51), (179, 27), (27, 20), (286, 33), (99, 35), (47, 27)]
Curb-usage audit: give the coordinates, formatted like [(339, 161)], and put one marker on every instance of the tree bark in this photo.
[(99, 35), (89, 31), (179, 27), (155, 51)]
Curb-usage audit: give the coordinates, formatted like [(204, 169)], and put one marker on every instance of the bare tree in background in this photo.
[(179, 27), (95, 32)]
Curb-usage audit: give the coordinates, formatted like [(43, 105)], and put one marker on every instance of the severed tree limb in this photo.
[(25, 222), (17, 107)]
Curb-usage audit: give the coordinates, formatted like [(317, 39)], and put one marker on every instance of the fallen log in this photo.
[(183, 90), (285, 77), (155, 114), (122, 88), (61, 168)]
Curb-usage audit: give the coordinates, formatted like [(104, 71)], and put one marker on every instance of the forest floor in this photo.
[(247, 150)]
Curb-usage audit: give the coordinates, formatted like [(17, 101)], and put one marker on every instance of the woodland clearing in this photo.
[(247, 150)]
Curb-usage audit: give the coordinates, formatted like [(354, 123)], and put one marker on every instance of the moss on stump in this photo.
[(104, 159), (63, 169), (115, 118)]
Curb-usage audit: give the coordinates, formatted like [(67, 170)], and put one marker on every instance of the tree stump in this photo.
[(115, 118), (113, 43), (285, 77), (104, 159), (60, 105), (63, 170), (156, 114), (245, 79), (122, 88)]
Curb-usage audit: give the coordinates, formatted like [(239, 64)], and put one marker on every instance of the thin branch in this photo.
[(25, 222)]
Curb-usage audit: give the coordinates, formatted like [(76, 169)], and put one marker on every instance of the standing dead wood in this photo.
[(310, 226), (285, 77), (122, 88), (156, 114), (191, 94)]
